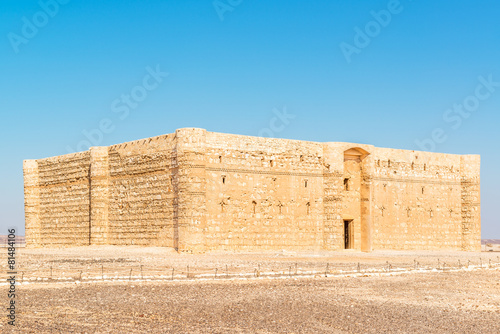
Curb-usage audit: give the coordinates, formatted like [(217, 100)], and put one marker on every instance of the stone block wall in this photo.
[(197, 191), (470, 202), (417, 200), (263, 193), (141, 192), (57, 200)]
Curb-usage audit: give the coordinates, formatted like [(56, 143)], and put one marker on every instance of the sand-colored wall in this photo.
[(471, 202), (417, 200), (57, 200), (140, 193), (196, 190), (263, 193)]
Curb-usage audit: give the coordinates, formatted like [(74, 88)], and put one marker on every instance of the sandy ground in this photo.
[(436, 302), (449, 301), (115, 261)]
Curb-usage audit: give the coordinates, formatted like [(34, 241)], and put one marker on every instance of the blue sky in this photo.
[(230, 63)]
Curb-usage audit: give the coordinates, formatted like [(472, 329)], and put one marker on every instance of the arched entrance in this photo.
[(356, 201)]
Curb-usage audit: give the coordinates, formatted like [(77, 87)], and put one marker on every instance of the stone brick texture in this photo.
[(199, 191)]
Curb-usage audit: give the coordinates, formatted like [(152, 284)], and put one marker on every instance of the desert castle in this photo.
[(196, 191)]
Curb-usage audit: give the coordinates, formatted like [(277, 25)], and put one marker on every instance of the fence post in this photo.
[(102, 271), (359, 267), (81, 275), (173, 274), (142, 277), (459, 266), (215, 277), (326, 270), (130, 275), (187, 274), (480, 262), (22, 276), (50, 272), (295, 268), (227, 273)]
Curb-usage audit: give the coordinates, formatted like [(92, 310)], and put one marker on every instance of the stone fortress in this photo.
[(197, 191)]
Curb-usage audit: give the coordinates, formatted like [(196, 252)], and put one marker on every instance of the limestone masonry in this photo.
[(196, 191)]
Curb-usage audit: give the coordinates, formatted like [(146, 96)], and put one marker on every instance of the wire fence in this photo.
[(108, 272)]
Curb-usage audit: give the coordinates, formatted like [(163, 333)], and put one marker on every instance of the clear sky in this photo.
[(387, 73)]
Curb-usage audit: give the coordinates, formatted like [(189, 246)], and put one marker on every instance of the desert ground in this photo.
[(88, 262), (279, 292)]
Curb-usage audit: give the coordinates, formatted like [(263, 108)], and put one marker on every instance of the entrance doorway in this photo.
[(348, 237)]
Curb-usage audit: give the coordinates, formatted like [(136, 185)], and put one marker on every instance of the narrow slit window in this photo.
[(223, 180), (220, 159), (254, 206), (346, 184), (280, 206), (305, 184)]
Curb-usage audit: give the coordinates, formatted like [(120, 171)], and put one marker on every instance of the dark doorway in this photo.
[(348, 239)]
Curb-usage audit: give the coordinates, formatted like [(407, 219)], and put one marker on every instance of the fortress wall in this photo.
[(31, 203), (416, 200), (141, 194), (99, 195), (347, 185), (471, 202), (256, 193), (352, 201), (196, 191), (333, 197), (62, 189), (189, 181)]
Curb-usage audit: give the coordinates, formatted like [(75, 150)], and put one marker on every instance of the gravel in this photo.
[(435, 302)]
